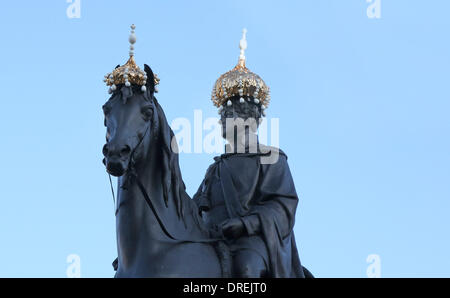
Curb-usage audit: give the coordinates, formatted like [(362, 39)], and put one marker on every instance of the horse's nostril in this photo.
[(105, 150), (125, 151)]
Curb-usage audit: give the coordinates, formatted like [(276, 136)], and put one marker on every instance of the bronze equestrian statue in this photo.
[(239, 223)]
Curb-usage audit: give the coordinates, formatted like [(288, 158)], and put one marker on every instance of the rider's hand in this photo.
[(233, 228)]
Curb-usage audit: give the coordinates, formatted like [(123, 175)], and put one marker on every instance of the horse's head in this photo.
[(128, 120)]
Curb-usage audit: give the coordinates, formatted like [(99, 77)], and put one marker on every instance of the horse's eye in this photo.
[(147, 111)]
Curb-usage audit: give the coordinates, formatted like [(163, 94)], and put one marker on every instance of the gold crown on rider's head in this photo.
[(241, 82), (129, 73)]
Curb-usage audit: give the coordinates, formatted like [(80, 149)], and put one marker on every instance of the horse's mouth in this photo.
[(116, 168)]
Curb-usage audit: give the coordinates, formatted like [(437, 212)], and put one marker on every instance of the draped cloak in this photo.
[(264, 197)]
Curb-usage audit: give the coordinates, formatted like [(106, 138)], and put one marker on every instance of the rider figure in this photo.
[(248, 194)]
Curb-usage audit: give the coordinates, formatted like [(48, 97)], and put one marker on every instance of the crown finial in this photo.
[(132, 40), (243, 45)]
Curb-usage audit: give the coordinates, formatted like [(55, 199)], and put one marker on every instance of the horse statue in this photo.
[(159, 230)]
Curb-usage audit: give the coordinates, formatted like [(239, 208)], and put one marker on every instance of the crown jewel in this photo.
[(129, 73), (240, 81)]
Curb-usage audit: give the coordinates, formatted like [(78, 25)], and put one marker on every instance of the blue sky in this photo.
[(363, 107)]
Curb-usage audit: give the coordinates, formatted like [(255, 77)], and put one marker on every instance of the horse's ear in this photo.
[(150, 79)]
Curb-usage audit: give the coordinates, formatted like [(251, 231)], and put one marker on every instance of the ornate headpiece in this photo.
[(129, 73), (240, 81)]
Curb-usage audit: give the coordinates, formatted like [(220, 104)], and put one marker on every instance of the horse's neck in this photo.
[(148, 172)]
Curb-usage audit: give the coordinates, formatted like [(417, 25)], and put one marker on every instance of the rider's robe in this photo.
[(264, 197)]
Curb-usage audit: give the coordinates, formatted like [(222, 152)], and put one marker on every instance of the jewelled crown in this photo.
[(129, 73), (240, 81)]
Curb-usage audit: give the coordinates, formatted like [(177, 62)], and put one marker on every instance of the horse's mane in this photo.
[(171, 173)]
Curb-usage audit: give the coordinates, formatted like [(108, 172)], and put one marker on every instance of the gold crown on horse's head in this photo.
[(129, 73), (240, 81)]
